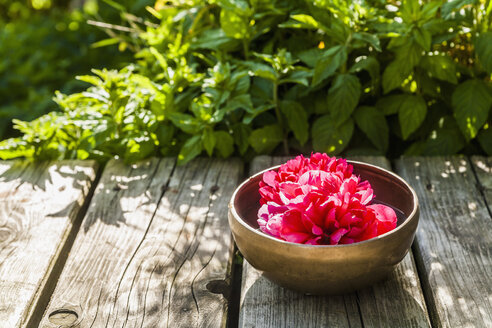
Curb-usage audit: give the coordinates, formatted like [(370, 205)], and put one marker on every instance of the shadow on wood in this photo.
[(267, 305), (38, 206), (155, 249)]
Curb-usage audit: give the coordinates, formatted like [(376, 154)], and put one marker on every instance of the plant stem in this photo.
[(343, 69), (280, 118), (246, 49)]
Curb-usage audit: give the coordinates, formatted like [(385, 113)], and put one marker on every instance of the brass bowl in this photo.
[(331, 269)]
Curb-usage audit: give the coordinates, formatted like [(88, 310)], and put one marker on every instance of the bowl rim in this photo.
[(410, 217)]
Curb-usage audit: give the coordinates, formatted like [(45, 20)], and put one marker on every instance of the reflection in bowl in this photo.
[(331, 269)]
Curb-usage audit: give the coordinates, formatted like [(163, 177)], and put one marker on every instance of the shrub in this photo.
[(263, 76), (42, 51)]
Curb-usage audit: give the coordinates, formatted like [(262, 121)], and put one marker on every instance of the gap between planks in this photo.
[(397, 302), (51, 280), (454, 245), (151, 258), (39, 207)]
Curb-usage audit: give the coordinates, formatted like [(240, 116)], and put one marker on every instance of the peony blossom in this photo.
[(319, 201)]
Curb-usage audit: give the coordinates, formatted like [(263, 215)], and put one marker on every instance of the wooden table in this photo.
[(148, 245)]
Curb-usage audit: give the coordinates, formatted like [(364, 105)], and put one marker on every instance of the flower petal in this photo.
[(335, 237), (318, 200), (269, 177), (385, 216)]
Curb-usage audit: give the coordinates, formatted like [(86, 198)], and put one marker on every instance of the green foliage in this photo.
[(330, 138), (471, 101), (251, 77), (411, 114), (41, 52), (372, 122), (343, 97)]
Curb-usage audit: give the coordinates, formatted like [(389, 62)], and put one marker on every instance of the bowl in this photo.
[(327, 269)]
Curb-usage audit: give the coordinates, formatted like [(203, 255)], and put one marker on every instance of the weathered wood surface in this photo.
[(454, 241), (483, 169), (397, 302), (38, 206), (154, 250)]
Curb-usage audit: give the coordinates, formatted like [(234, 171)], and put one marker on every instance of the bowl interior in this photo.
[(388, 189)]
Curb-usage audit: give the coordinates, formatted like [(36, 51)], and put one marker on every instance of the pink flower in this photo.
[(319, 201)]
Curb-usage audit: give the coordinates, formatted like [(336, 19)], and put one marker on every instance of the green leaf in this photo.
[(191, 149), (484, 138), (241, 133), (440, 67), (255, 111), (446, 139), (391, 104), (488, 10), (185, 122), (373, 123), (409, 53), (115, 5), (15, 148), (471, 102), (242, 85), (209, 140), (369, 64), (329, 138), (429, 10), (409, 10), (261, 70), (429, 86), (483, 48), (105, 43), (307, 20), (329, 63), (265, 139), (299, 77), (411, 114), (213, 39), (160, 58), (153, 12), (138, 148), (234, 25), (94, 80), (454, 5), (311, 56), (297, 119), (225, 143), (368, 38), (238, 6), (343, 97), (165, 133), (394, 75), (241, 101), (423, 38)]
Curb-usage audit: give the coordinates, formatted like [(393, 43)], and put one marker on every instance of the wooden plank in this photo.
[(397, 302), (38, 205), (483, 169), (155, 251), (264, 304), (454, 245)]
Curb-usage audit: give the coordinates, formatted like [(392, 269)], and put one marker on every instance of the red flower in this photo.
[(319, 201)]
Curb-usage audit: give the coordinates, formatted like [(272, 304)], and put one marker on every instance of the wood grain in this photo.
[(38, 204), (397, 302), (155, 251), (454, 244), (483, 169)]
